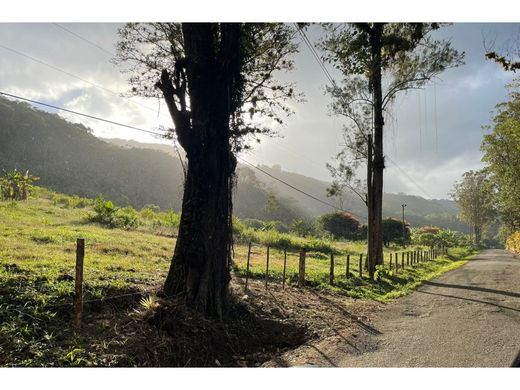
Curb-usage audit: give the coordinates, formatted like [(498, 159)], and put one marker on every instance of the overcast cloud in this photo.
[(434, 136)]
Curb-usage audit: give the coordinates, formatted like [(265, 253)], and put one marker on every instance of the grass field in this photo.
[(37, 255)]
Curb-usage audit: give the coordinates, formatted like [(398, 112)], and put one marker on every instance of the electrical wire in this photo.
[(161, 134), (79, 113), (84, 39), (41, 62), (296, 188)]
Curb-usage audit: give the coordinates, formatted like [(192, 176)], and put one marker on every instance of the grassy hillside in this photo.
[(37, 255)]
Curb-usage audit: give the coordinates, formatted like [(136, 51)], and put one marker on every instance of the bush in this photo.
[(279, 240), (169, 219), (513, 242), (16, 186), (341, 225), (303, 228), (393, 232), (106, 213), (433, 236), (70, 201)]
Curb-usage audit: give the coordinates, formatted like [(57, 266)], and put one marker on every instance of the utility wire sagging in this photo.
[(80, 113), (162, 135)]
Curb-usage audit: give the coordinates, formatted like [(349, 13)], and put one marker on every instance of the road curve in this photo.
[(469, 317)]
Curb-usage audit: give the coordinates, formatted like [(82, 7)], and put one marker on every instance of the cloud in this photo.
[(435, 136)]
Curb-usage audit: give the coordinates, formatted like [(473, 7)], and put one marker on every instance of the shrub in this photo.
[(513, 242), (303, 228), (16, 186), (341, 225), (106, 213), (279, 240), (433, 236), (393, 231)]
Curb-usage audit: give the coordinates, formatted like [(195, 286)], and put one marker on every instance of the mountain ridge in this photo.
[(70, 159)]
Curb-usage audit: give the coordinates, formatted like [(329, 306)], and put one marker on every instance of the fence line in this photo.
[(399, 261)]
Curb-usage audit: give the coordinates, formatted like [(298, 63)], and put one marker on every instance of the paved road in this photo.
[(469, 317)]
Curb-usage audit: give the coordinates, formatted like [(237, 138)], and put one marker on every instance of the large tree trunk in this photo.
[(200, 266), (375, 246)]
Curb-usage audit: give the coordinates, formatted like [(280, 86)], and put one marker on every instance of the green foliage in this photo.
[(16, 186), (274, 238), (513, 242), (501, 147), (393, 231), (475, 198), (341, 225), (265, 48), (106, 213), (383, 274), (73, 201), (407, 57), (71, 160), (432, 236), (303, 228)]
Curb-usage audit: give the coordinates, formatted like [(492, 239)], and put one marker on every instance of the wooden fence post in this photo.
[(408, 258), (301, 269), (361, 265), (396, 263), (247, 266), (284, 267), (267, 267), (331, 276), (78, 288), (402, 261), (390, 263), (347, 271)]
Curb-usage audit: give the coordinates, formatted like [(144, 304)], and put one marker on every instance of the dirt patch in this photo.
[(271, 328)]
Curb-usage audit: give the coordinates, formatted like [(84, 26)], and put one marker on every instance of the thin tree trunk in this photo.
[(370, 201), (376, 248)]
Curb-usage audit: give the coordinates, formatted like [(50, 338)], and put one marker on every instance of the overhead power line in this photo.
[(41, 62), (296, 188), (84, 39), (162, 134), (315, 54), (409, 177), (331, 79), (79, 113)]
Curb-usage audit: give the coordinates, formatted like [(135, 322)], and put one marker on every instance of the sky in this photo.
[(432, 136)]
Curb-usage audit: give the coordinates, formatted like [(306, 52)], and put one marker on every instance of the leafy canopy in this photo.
[(410, 58), (501, 149), (259, 99), (475, 198)]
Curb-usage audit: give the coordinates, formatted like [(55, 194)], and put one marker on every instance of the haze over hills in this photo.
[(69, 158)]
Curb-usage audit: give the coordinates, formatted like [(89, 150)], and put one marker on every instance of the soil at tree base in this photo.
[(259, 327)]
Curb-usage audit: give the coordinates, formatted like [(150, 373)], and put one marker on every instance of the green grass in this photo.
[(37, 259), (389, 285)]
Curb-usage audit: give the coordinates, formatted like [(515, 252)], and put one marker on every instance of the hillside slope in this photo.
[(70, 159)]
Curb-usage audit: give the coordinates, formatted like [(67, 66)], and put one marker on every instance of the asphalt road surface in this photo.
[(469, 317)]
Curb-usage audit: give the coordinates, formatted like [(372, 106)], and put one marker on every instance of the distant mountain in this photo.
[(70, 159)]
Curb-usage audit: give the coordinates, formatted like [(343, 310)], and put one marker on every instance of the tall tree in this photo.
[(216, 79), (379, 60), (475, 197), (501, 149)]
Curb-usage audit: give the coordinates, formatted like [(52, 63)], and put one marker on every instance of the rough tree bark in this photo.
[(375, 222), (210, 70)]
